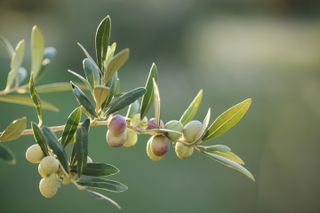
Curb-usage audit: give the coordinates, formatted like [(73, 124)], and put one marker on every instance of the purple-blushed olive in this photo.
[(47, 166), (152, 124), (150, 154), (183, 151), (191, 130), (48, 186), (176, 126), (117, 125), (34, 154), (159, 144), (116, 140), (132, 138)]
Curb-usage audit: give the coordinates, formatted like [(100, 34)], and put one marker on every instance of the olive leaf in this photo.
[(205, 124), (7, 155), (81, 146), (92, 72), (56, 147), (215, 148), (8, 46), (37, 50), (36, 99), (148, 96), (23, 100), (16, 60), (115, 64), (14, 130), (192, 109), (156, 102), (98, 169), (102, 184), (133, 109), (103, 197), (230, 164), (126, 99), (82, 79), (85, 51), (102, 39), (39, 138), (227, 119), (54, 87), (71, 126), (83, 99), (100, 93)]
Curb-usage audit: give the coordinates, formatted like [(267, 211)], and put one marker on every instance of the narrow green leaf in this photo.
[(8, 46), (103, 197), (71, 126), (98, 170), (83, 99), (36, 99), (102, 39), (39, 138), (126, 99), (7, 155), (16, 61), (216, 147), (116, 63), (227, 119), (100, 93), (229, 155), (158, 131), (23, 100), (114, 85), (82, 79), (148, 96), (110, 53), (205, 124), (85, 51), (156, 102), (92, 72), (54, 87), (230, 164), (103, 184), (133, 109), (56, 147), (192, 109), (81, 146), (37, 50), (14, 130)]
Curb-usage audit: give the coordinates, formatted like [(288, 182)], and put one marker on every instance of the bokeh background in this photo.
[(268, 50)]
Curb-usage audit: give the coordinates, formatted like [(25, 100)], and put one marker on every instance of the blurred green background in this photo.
[(268, 50)]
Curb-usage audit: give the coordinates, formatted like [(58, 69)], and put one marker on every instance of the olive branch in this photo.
[(101, 100)]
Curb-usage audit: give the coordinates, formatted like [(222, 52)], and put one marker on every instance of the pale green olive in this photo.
[(183, 151), (176, 126), (48, 186), (191, 130), (34, 154), (48, 165), (132, 138)]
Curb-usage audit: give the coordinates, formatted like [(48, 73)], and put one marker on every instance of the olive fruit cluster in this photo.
[(48, 169), (118, 134)]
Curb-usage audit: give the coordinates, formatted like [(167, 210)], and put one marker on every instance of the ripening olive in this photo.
[(48, 186), (191, 130), (117, 125), (34, 154), (150, 154), (183, 151), (116, 140), (132, 138), (176, 126), (159, 144), (152, 124), (48, 166)]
